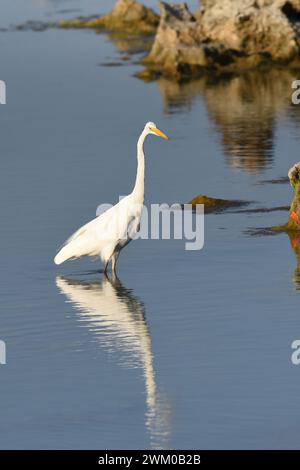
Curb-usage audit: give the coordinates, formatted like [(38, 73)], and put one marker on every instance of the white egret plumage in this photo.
[(107, 234)]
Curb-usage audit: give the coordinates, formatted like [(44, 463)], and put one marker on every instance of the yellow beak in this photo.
[(159, 133)]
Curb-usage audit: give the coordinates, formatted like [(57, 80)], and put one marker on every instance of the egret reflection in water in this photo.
[(244, 110), (117, 319)]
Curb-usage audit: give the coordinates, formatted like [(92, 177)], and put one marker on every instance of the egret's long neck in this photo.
[(139, 186)]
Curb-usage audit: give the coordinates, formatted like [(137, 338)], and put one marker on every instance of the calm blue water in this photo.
[(189, 349)]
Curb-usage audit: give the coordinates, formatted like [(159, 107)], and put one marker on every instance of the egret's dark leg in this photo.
[(105, 268), (114, 261)]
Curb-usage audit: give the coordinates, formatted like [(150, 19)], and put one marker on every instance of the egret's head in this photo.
[(151, 128)]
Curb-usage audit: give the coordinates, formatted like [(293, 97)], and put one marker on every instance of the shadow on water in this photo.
[(126, 43), (243, 108), (260, 210), (280, 180), (118, 321)]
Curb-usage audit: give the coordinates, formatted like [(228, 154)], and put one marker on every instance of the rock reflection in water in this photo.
[(295, 243), (129, 43), (117, 319), (243, 108)]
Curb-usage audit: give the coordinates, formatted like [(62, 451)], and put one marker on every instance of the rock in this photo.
[(295, 244), (294, 216), (176, 45), (293, 224), (127, 15), (213, 204), (252, 27), (225, 34)]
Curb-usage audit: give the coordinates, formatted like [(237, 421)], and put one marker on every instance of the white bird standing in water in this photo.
[(107, 234)]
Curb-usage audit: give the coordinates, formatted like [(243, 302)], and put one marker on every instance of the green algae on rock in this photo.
[(127, 15)]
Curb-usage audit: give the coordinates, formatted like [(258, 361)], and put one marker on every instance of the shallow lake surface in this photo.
[(189, 349)]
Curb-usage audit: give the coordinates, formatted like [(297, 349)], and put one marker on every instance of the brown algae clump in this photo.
[(212, 204)]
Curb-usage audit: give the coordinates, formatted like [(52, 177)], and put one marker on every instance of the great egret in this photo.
[(108, 233)]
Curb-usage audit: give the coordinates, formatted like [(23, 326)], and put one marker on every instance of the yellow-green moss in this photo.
[(148, 75), (127, 15)]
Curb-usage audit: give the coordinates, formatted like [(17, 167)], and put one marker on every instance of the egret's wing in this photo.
[(82, 230), (82, 243), (74, 235), (99, 236)]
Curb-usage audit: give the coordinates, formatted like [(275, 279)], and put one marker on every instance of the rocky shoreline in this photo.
[(225, 35), (222, 36)]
